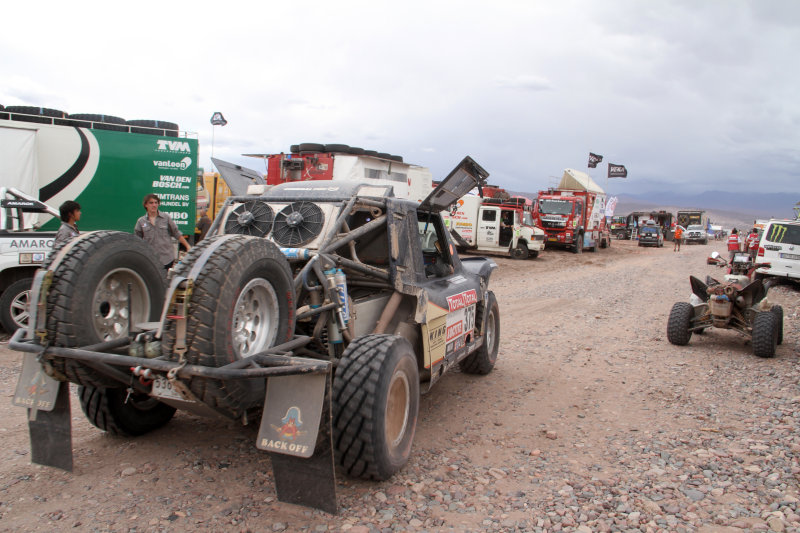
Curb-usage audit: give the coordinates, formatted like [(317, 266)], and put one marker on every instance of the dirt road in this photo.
[(591, 421)]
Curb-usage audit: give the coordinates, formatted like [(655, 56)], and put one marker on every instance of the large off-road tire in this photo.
[(242, 303), (534, 254), (88, 299), (154, 127), (777, 310), (577, 248), (520, 251), (765, 334), (375, 406), (14, 305), (482, 360), (680, 320), (107, 410)]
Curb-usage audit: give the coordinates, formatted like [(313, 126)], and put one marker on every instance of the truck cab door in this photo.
[(488, 227)]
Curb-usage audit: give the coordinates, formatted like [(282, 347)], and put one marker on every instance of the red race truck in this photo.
[(573, 214)]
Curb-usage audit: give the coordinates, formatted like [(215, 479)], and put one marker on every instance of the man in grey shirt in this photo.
[(70, 214), (157, 230)]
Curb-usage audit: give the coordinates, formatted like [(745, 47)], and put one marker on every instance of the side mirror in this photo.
[(715, 255)]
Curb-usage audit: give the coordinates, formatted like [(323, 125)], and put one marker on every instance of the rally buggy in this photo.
[(321, 307)]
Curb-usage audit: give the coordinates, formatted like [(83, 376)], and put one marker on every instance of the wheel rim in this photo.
[(110, 303), (397, 408), (255, 318), (20, 309), (490, 331)]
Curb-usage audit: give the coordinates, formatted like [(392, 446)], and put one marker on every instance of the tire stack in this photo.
[(154, 127), (315, 148), (44, 115), (39, 115)]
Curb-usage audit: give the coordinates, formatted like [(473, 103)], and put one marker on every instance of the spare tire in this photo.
[(99, 122), (154, 127), (356, 151), (372, 153), (398, 158), (311, 147), (295, 148), (40, 113), (88, 298), (242, 303), (343, 148)]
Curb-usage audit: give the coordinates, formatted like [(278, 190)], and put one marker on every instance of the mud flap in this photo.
[(51, 433), (49, 418), (296, 430)]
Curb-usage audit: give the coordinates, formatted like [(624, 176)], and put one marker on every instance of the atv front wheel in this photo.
[(765, 334), (482, 360), (680, 320), (777, 310), (108, 410), (375, 406)]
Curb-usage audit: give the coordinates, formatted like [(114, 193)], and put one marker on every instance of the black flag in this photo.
[(218, 120), (617, 171), (594, 159)]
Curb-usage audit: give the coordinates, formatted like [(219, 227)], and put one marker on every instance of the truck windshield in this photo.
[(555, 207), (527, 219)]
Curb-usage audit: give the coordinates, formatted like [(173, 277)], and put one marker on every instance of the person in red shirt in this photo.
[(733, 242), (752, 243)]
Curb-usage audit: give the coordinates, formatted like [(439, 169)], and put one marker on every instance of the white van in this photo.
[(780, 246)]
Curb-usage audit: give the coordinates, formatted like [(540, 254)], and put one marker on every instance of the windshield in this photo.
[(555, 207), (695, 228), (784, 233), (649, 230), (527, 219)]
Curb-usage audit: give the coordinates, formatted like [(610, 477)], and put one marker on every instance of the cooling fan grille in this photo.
[(297, 224), (250, 218)]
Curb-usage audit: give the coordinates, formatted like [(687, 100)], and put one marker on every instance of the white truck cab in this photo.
[(490, 226)]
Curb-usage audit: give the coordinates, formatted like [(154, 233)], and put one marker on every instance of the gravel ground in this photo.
[(591, 421)]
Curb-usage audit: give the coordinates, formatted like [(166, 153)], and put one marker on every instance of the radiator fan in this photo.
[(250, 218), (297, 223)]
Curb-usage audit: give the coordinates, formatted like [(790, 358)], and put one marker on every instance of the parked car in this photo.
[(780, 247), (651, 236), (696, 233)]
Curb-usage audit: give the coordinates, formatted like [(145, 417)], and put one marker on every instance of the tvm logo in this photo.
[(165, 145)]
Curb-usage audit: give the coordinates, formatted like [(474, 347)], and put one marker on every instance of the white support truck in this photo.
[(492, 226)]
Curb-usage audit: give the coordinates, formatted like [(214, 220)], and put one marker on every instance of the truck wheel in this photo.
[(680, 320), (375, 406), (777, 310), (765, 334), (14, 310), (242, 303), (577, 248), (107, 410), (520, 252), (88, 298), (482, 360), (533, 254)]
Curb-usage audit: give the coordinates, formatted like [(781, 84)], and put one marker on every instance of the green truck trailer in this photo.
[(105, 163)]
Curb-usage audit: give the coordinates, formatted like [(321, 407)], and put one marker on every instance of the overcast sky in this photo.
[(694, 95)]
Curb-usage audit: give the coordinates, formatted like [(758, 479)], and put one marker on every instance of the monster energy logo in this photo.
[(778, 233)]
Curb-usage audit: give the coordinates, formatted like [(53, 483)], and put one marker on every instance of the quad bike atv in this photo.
[(737, 303), (321, 309)]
